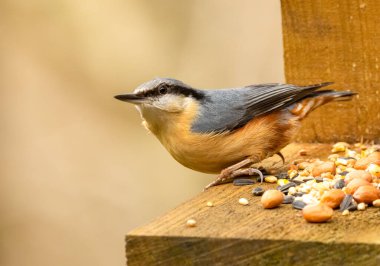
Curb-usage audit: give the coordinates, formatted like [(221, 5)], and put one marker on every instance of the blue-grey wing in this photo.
[(230, 109)]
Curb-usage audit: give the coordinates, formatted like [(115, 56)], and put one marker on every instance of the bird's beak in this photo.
[(131, 98)]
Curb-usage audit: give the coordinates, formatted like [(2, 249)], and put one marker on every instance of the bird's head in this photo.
[(160, 98)]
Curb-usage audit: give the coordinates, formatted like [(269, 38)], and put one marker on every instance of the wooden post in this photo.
[(339, 41)]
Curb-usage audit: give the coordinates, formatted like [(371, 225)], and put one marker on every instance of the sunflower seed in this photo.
[(243, 182), (339, 184), (298, 194), (282, 175), (299, 205), (288, 200), (294, 176), (319, 179), (258, 191), (352, 207), (347, 201), (285, 188), (297, 181)]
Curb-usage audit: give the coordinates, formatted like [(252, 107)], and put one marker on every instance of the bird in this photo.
[(225, 131)]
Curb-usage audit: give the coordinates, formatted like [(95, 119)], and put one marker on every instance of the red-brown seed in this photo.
[(355, 184), (366, 194), (333, 198), (324, 167), (317, 213), (272, 198), (363, 163), (358, 174)]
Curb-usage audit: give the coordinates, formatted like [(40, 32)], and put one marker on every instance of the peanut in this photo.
[(363, 163), (355, 184), (358, 174), (324, 168), (366, 194), (317, 213), (333, 198), (272, 198)]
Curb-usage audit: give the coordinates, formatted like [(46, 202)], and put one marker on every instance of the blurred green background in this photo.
[(78, 171)]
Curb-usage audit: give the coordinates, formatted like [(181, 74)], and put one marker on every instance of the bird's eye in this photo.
[(162, 90)]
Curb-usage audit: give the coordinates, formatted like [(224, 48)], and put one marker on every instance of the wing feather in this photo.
[(267, 98), (243, 104)]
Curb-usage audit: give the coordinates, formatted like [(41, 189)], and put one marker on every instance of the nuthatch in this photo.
[(224, 130)]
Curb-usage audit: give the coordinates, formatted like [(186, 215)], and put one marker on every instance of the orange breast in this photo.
[(210, 153)]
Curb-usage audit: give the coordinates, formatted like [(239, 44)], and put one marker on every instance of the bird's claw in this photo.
[(227, 175)]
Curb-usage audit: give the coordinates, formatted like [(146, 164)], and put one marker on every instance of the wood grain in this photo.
[(336, 40), (249, 235)]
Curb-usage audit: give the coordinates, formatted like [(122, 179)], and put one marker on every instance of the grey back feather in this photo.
[(219, 110), (229, 109)]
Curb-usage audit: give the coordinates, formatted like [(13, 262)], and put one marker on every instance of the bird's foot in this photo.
[(232, 172)]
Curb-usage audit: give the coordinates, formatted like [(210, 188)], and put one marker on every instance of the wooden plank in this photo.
[(230, 232), (330, 40), (215, 251)]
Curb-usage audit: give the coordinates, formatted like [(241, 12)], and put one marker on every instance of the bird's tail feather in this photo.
[(319, 98)]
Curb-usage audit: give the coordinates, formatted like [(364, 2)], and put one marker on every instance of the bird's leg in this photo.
[(282, 157), (247, 171), (234, 171)]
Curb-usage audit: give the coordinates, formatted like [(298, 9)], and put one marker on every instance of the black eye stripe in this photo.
[(172, 89)]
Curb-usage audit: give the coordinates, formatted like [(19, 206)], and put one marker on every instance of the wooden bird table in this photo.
[(324, 40), (233, 234)]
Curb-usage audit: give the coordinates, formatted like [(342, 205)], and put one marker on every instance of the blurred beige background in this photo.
[(78, 170)]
